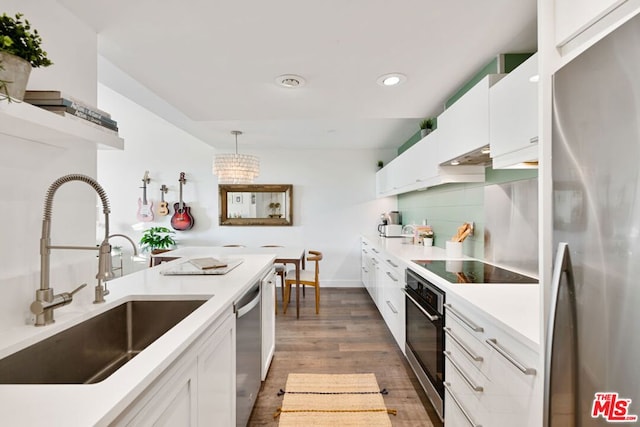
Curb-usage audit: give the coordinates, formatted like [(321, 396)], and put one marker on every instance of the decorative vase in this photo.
[(424, 132), (15, 72)]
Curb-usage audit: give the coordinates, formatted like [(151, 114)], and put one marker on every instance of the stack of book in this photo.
[(59, 103)]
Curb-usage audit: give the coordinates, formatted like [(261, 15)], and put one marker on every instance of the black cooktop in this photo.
[(458, 271)]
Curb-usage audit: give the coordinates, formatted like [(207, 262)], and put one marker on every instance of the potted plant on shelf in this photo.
[(20, 51), (426, 126), (275, 210), (157, 240)]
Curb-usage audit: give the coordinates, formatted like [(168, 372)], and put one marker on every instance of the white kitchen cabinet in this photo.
[(392, 298), (464, 126), (217, 375), (369, 270), (26, 123), (572, 17), (418, 168), (493, 377), (385, 283), (197, 389), (268, 321), (513, 120)]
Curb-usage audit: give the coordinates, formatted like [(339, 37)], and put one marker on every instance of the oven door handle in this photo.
[(430, 316)]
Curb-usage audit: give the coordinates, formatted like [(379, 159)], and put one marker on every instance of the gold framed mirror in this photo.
[(256, 204)]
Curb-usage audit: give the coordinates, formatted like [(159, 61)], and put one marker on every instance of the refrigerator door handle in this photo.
[(562, 266)]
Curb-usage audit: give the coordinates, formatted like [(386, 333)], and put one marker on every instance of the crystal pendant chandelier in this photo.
[(236, 168)]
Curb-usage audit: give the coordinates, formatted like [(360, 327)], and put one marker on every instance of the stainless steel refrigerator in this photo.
[(593, 342)]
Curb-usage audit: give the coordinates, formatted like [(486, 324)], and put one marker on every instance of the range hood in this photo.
[(481, 157)]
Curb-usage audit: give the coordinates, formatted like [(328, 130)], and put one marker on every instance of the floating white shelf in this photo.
[(27, 122)]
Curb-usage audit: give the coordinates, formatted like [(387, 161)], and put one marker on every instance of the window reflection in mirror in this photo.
[(256, 204)]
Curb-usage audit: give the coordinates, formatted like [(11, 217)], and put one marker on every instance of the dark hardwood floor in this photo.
[(348, 336)]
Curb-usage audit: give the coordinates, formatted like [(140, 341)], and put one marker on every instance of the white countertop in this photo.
[(514, 307), (98, 404)]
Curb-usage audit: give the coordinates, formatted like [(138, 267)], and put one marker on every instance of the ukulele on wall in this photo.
[(145, 207), (181, 219), (163, 208)]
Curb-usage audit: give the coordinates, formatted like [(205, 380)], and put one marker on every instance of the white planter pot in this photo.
[(15, 71)]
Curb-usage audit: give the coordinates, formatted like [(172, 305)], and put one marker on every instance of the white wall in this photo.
[(27, 168), (333, 191)]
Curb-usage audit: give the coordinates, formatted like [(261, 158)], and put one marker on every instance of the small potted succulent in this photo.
[(20, 51), (426, 126), (157, 240)]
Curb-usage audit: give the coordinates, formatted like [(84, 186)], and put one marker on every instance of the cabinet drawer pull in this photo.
[(365, 251), (365, 270), (391, 276), (472, 423), (375, 250), (373, 260), (462, 345), (392, 263), (533, 140), (393, 309), (504, 353), (463, 374), (464, 319)]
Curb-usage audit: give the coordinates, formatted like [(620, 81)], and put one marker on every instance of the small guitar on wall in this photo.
[(181, 219), (163, 208), (145, 207)]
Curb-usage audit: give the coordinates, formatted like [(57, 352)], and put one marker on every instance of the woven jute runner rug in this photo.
[(333, 400)]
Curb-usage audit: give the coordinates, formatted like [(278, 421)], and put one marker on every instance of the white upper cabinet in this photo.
[(572, 17), (513, 120), (464, 127), (418, 168)]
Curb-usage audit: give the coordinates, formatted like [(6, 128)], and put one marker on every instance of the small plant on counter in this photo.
[(156, 238), (380, 164)]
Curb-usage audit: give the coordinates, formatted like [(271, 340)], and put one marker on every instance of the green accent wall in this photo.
[(447, 206), (513, 60), (490, 68)]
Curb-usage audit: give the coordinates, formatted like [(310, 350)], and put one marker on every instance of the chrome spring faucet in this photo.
[(46, 301)]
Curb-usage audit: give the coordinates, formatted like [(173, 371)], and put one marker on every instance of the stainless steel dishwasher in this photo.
[(248, 353)]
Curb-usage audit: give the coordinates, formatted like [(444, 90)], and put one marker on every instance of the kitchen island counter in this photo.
[(101, 403)]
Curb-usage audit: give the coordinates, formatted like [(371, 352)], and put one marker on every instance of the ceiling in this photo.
[(215, 62)]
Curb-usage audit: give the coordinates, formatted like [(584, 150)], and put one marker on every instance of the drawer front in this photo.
[(461, 408), (468, 344)]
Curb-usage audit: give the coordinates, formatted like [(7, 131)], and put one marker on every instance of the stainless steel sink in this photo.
[(94, 349)]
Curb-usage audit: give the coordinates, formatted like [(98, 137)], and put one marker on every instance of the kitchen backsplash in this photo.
[(446, 207), (511, 224)]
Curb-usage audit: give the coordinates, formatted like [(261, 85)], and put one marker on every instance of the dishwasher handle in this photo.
[(246, 308)]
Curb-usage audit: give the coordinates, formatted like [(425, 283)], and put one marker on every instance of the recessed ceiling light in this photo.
[(534, 79), (455, 163), (290, 81), (486, 150), (392, 79)]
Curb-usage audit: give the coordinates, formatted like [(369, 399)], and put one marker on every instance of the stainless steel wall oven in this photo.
[(425, 336)]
